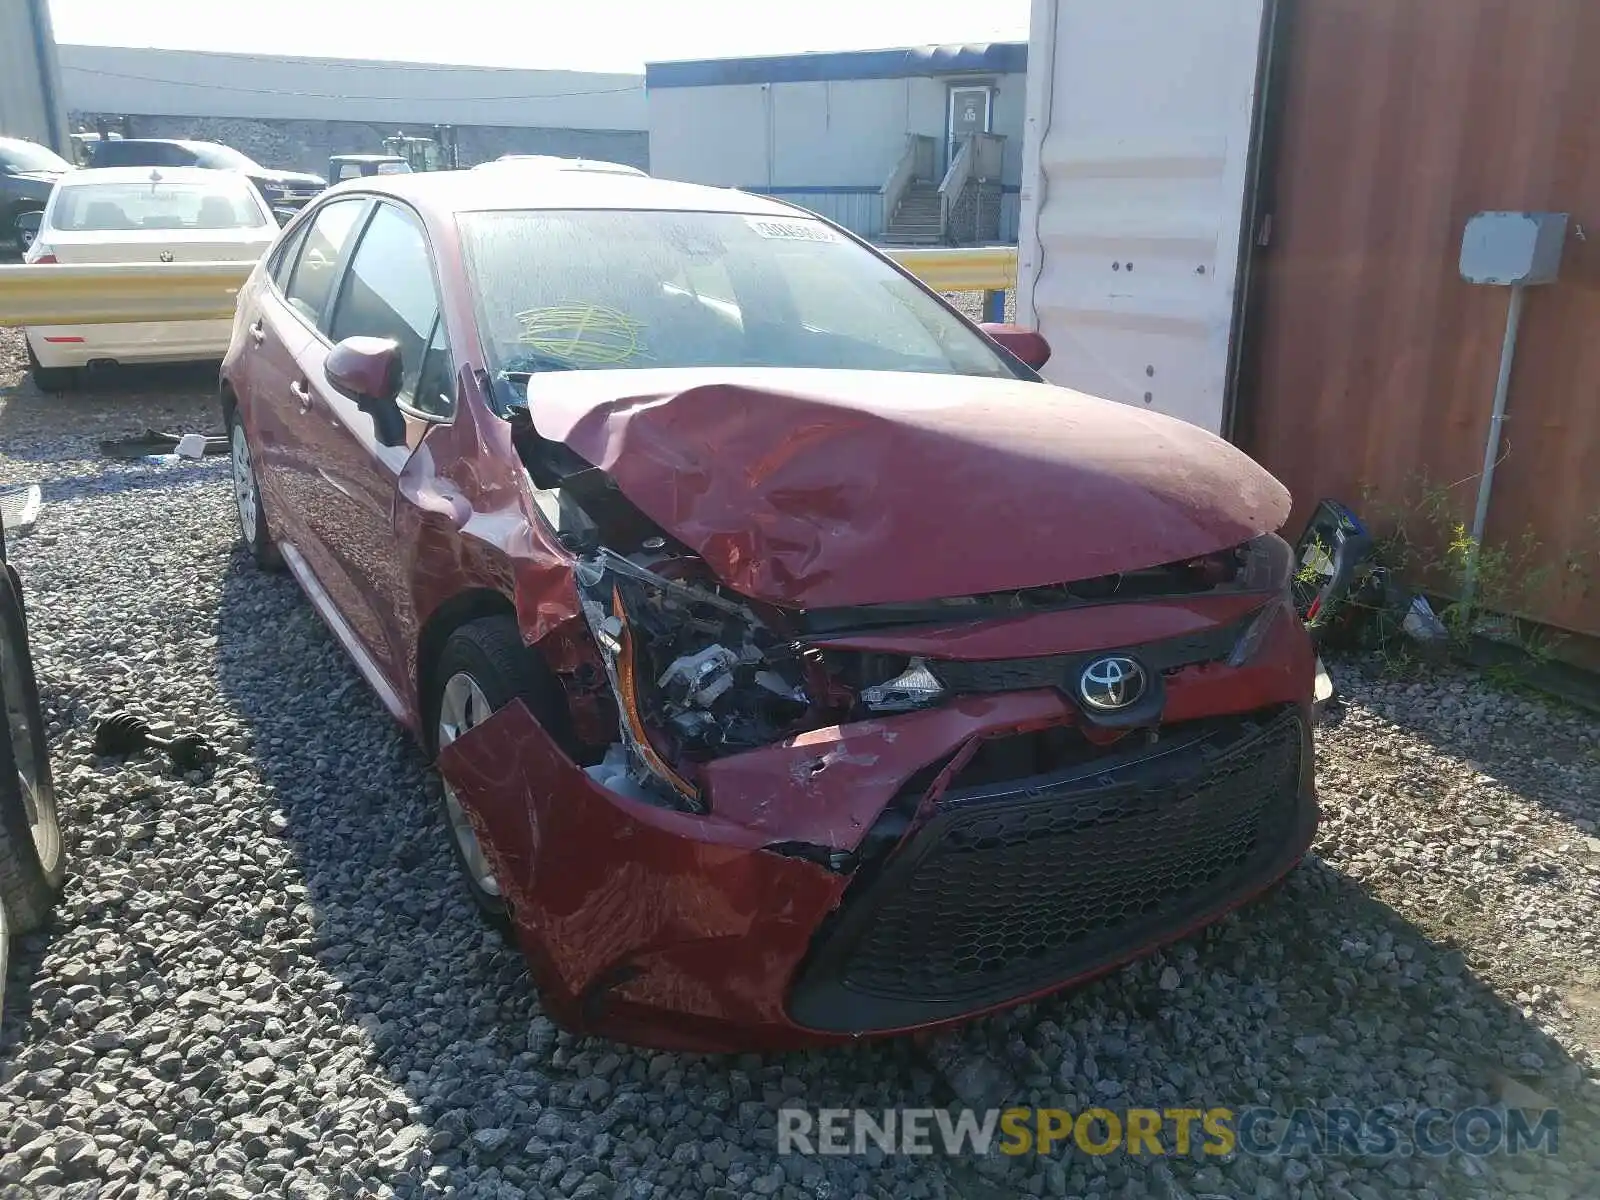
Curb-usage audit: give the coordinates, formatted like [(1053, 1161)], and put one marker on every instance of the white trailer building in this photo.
[(920, 144)]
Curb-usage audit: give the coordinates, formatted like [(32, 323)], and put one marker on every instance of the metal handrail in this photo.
[(955, 181), (918, 152)]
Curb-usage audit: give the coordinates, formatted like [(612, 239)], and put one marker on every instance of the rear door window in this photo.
[(141, 154), (283, 258), (310, 286)]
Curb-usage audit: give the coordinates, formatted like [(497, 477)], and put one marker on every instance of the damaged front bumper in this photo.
[(895, 873)]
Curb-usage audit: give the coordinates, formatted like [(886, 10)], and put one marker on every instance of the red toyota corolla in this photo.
[(800, 666)]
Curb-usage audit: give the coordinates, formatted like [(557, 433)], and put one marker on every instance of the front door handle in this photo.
[(302, 393), (257, 333)]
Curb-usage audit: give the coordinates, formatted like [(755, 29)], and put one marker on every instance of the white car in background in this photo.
[(142, 214)]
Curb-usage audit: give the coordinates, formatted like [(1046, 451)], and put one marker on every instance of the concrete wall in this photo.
[(826, 144), (306, 145), (186, 83), (30, 84)]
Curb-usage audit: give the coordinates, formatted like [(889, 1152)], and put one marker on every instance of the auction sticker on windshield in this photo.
[(792, 231)]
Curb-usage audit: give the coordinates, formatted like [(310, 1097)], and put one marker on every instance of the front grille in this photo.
[(1009, 888), (1062, 670)]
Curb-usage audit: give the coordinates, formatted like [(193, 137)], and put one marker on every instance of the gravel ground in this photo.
[(971, 303), (267, 980)]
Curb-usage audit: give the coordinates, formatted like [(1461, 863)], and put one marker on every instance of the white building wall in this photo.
[(835, 133), (840, 132), (711, 135), (115, 79)]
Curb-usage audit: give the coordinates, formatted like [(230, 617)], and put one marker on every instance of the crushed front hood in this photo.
[(816, 489)]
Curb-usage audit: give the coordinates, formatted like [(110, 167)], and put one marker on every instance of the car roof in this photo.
[(142, 175), (367, 157), (441, 194), (556, 162)]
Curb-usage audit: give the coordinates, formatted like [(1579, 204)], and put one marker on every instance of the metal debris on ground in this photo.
[(153, 444), (123, 734)]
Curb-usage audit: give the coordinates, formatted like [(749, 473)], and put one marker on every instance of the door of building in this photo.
[(969, 113)]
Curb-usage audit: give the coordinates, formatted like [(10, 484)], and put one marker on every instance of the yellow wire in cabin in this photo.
[(590, 335)]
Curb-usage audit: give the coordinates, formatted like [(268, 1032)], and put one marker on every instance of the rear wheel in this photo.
[(32, 855), (247, 497), (483, 667), (50, 380)]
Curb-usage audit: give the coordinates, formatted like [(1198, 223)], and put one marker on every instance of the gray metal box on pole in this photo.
[(1512, 248), (1515, 250)]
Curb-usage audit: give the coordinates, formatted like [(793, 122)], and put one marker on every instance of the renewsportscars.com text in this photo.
[(1179, 1131)]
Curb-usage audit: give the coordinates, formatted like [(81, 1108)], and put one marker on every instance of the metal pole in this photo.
[(1491, 448)]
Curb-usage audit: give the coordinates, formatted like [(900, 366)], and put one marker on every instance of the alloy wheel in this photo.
[(39, 805), (462, 706), (244, 484)]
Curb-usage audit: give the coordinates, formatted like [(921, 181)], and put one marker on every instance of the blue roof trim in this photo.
[(1000, 58), (820, 189)]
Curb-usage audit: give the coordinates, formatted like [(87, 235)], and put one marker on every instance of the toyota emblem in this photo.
[(1111, 683), (166, 256)]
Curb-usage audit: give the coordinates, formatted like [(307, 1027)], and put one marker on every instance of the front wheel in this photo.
[(483, 667), (247, 497), (32, 854)]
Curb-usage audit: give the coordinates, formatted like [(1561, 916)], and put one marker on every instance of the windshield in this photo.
[(26, 156), (226, 203), (222, 158), (591, 290)]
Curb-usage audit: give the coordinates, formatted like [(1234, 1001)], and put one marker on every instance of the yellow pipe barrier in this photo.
[(961, 269), (111, 293)]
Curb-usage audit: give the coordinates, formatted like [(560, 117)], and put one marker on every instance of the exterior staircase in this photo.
[(962, 207), (916, 219)]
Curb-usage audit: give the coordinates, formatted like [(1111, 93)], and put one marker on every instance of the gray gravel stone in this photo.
[(266, 979)]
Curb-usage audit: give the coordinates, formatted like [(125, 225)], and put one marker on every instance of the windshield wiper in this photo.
[(526, 366)]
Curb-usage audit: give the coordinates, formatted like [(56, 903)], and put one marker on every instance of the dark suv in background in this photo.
[(286, 192), (27, 173)]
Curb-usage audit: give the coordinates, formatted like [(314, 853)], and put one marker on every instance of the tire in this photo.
[(32, 852), (490, 654), (51, 380), (247, 497)]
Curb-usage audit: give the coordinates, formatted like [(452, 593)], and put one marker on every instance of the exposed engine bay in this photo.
[(697, 671), (694, 672)]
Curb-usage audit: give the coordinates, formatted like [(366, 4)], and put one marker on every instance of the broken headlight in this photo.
[(913, 688), (1268, 566), (695, 673)]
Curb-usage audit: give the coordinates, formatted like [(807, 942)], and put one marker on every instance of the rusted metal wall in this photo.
[(1372, 365)]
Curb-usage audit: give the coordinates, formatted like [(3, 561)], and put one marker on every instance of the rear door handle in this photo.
[(257, 334), (302, 393)]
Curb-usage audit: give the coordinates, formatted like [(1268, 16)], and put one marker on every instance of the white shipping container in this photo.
[(1138, 153), (30, 79)]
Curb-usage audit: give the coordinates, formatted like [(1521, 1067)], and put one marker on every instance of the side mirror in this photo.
[(367, 369), (1026, 344), (28, 228)]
